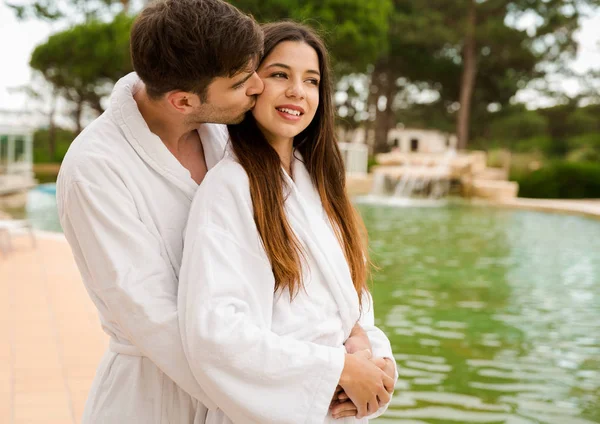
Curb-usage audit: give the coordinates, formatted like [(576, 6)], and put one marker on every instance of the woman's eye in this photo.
[(313, 81), (279, 75)]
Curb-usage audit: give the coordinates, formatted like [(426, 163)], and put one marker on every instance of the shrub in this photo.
[(562, 180), (520, 125), (589, 140), (63, 139), (584, 154)]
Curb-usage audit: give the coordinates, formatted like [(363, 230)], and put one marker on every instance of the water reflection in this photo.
[(495, 315)]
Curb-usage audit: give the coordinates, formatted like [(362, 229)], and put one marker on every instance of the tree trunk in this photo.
[(469, 73), (77, 115), (383, 84), (52, 131)]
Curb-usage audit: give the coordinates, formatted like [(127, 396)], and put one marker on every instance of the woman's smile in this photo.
[(290, 98)]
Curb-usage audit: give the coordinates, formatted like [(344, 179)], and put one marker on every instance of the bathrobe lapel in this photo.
[(312, 226)]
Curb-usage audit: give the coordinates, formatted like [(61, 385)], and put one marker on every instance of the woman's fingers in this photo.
[(388, 383), (383, 397), (343, 396), (362, 410), (373, 406)]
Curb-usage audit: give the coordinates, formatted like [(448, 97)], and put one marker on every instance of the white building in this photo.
[(16, 151), (413, 140), (405, 140)]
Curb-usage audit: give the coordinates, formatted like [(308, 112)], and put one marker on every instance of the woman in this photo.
[(274, 272)]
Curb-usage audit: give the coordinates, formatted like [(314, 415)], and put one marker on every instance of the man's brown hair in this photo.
[(185, 44)]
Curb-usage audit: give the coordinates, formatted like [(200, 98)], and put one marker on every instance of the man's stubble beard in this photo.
[(212, 115)]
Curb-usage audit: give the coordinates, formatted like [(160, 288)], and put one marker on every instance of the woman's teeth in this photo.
[(289, 111)]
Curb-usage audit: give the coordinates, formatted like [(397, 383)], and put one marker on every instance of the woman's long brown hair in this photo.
[(322, 158)]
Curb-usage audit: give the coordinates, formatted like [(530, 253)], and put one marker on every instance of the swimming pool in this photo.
[(494, 314)]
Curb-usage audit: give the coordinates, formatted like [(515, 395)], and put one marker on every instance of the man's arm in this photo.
[(123, 265)]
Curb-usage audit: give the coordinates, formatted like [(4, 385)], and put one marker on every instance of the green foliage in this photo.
[(582, 121), (63, 139), (355, 30), (538, 143), (584, 154), (84, 61), (589, 140), (53, 10), (562, 180), (371, 162), (524, 124)]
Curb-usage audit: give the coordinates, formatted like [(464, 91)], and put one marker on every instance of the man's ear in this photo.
[(183, 101)]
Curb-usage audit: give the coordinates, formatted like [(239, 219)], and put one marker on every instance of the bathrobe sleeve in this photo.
[(122, 265), (380, 344), (226, 295)]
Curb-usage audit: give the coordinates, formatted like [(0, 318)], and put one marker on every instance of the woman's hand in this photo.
[(342, 406), (365, 384)]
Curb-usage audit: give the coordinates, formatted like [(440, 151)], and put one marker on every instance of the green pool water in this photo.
[(494, 315)]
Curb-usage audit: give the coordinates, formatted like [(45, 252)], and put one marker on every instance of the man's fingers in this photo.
[(344, 409), (343, 396), (336, 395), (345, 414)]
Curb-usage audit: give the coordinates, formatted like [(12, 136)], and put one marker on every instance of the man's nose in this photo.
[(255, 85)]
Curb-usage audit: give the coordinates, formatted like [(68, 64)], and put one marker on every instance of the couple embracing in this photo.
[(207, 213)]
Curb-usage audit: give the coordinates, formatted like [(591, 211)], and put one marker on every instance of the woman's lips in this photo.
[(288, 116)]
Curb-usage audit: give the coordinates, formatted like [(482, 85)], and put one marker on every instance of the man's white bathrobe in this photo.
[(123, 202), (260, 357)]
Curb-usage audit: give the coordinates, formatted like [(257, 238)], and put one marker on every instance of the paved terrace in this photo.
[(51, 337), (589, 207)]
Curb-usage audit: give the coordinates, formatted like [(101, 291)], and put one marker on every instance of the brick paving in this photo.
[(51, 333)]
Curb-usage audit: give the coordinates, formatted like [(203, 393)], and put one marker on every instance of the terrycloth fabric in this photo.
[(123, 202), (260, 357)]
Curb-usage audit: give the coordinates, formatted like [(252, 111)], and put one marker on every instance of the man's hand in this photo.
[(358, 340), (341, 409)]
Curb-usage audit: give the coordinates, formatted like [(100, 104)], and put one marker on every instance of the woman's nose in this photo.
[(296, 89)]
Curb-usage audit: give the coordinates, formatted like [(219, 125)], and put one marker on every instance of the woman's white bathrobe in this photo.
[(123, 203), (260, 357)]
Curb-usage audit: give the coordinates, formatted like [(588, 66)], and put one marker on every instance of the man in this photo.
[(124, 192)]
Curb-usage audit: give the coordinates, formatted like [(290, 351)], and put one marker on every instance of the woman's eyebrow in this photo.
[(281, 65)]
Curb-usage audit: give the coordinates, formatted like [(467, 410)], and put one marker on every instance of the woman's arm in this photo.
[(252, 374)]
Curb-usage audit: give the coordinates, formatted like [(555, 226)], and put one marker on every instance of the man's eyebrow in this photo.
[(246, 78), (281, 65)]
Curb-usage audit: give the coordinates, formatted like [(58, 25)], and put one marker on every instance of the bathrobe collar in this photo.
[(149, 146)]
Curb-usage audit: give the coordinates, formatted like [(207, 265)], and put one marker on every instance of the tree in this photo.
[(82, 63), (474, 52), (71, 10), (355, 30)]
